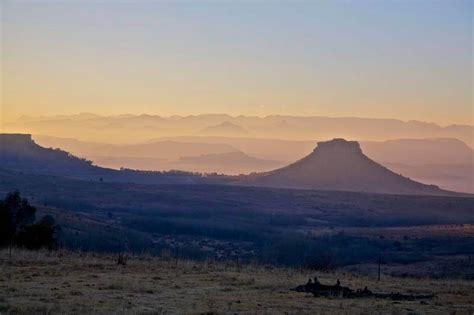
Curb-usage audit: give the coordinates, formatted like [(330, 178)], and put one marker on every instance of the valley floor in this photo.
[(87, 283)]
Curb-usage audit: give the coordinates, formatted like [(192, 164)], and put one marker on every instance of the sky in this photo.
[(410, 60)]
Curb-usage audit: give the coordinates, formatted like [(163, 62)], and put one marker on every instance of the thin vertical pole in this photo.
[(380, 261)]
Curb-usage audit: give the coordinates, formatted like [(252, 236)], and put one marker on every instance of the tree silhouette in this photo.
[(15, 214)]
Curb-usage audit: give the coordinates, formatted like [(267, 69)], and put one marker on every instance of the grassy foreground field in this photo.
[(87, 283)]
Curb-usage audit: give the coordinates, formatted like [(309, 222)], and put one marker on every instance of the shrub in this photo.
[(40, 235)]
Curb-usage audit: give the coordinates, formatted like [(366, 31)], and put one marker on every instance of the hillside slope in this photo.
[(340, 165), (18, 152)]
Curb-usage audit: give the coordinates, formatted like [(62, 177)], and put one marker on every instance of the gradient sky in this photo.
[(395, 59)]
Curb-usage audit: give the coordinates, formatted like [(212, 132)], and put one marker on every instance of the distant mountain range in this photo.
[(163, 155), (224, 129), (406, 151), (140, 128), (448, 163), (268, 149), (420, 151), (340, 165), (230, 163), (334, 165), (158, 149), (452, 177)]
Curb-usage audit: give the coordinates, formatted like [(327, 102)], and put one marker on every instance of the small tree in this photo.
[(15, 214)]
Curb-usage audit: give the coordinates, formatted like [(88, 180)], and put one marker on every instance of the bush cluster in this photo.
[(18, 226)]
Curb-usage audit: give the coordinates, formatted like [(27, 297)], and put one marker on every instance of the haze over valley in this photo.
[(422, 151)]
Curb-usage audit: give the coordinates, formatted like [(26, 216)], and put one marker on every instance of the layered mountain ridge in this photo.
[(139, 128), (334, 165)]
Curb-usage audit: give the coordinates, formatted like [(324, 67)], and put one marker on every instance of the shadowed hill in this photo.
[(341, 165), (18, 152)]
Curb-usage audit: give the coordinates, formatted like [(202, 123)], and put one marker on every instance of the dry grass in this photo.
[(88, 283)]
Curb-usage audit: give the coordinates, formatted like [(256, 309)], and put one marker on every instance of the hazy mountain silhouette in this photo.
[(139, 128), (334, 165), (164, 149), (400, 151), (232, 163), (267, 149), (225, 128), (18, 152), (420, 151), (455, 177), (159, 149), (71, 145), (340, 165), (229, 163), (130, 162), (405, 151), (446, 162), (80, 116)]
